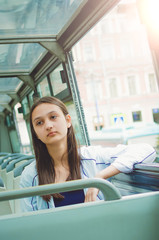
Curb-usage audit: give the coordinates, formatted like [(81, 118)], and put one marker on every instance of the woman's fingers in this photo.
[(91, 195)]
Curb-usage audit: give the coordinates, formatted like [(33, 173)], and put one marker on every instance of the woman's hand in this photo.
[(91, 195), (108, 172)]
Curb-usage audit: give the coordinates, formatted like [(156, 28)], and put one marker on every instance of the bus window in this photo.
[(31, 98), (13, 134), (75, 122), (25, 106), (43, 88), (126, 94), (59, 82), (22, 131)]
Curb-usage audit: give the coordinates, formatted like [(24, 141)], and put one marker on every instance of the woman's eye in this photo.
[(39, 123), (53, 117)]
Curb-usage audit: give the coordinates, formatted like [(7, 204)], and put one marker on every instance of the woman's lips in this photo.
[(51, 134)]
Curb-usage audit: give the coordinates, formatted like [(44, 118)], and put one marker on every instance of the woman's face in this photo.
[(50, 124)]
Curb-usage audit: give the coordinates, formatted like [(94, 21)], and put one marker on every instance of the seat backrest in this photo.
[(18, 170), (133, 218), (16, 182), (5, 207), (1, 182)]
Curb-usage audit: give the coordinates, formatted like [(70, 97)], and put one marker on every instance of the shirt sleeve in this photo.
[(123, 157), (134, 154), (27, 180)]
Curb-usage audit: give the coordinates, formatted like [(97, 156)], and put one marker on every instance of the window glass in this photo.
[(22, 56), (56, 80), (32, 17), (72, 111), (43, 88), (98, 122), (132, 85), (22, 131), (107, 50), (88, 52), (123, 62), (152, 82), (113, 87), (13, 134), (31, 98), (59, 82), (126, 48), (25, 106), (94, 90)]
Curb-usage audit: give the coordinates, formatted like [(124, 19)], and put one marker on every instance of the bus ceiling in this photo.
[(33, 33)]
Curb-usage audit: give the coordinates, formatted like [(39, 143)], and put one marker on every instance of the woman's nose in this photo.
[(48, 125)]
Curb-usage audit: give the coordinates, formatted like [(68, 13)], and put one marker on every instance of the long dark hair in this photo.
[(44, 162)]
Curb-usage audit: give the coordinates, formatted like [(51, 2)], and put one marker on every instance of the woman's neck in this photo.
[(60, 159), (59, 154)]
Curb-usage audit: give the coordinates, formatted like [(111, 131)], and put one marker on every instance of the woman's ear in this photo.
[(68, 119)]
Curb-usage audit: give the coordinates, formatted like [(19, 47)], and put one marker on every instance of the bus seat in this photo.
[(18, 162), (12, 166), (18, 170), (5, 207), (7, 171), (16, 182), (5, 161), (10, 155), (9, 165), (1, 182), (3, 154), (2, 159), (11, 158), (135, 217)]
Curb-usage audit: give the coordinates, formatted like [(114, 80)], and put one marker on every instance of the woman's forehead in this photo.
[(44, 109)]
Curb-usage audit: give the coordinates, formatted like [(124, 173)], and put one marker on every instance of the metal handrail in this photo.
[(110, 192)]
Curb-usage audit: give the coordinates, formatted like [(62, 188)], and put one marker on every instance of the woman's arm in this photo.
[(124, 158), (104, 174), (134, 154)]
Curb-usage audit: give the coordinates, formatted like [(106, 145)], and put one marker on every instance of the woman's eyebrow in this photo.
[(43, 116)]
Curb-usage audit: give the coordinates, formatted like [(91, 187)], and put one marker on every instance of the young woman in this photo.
[(58, 158)]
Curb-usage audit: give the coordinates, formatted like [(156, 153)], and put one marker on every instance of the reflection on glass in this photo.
[(9, 84), (19, 17), (57, 80), (72, 111), (5, 98), (1, 108), (14, 140), (22, 131), (31, 98), (43, 88), (25, 106), (19, 56)]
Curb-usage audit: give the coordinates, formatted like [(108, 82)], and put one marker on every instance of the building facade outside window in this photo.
[(152, 82), (88, 53), (132, 87), (155, 112), (137, 116), (113, 90)]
